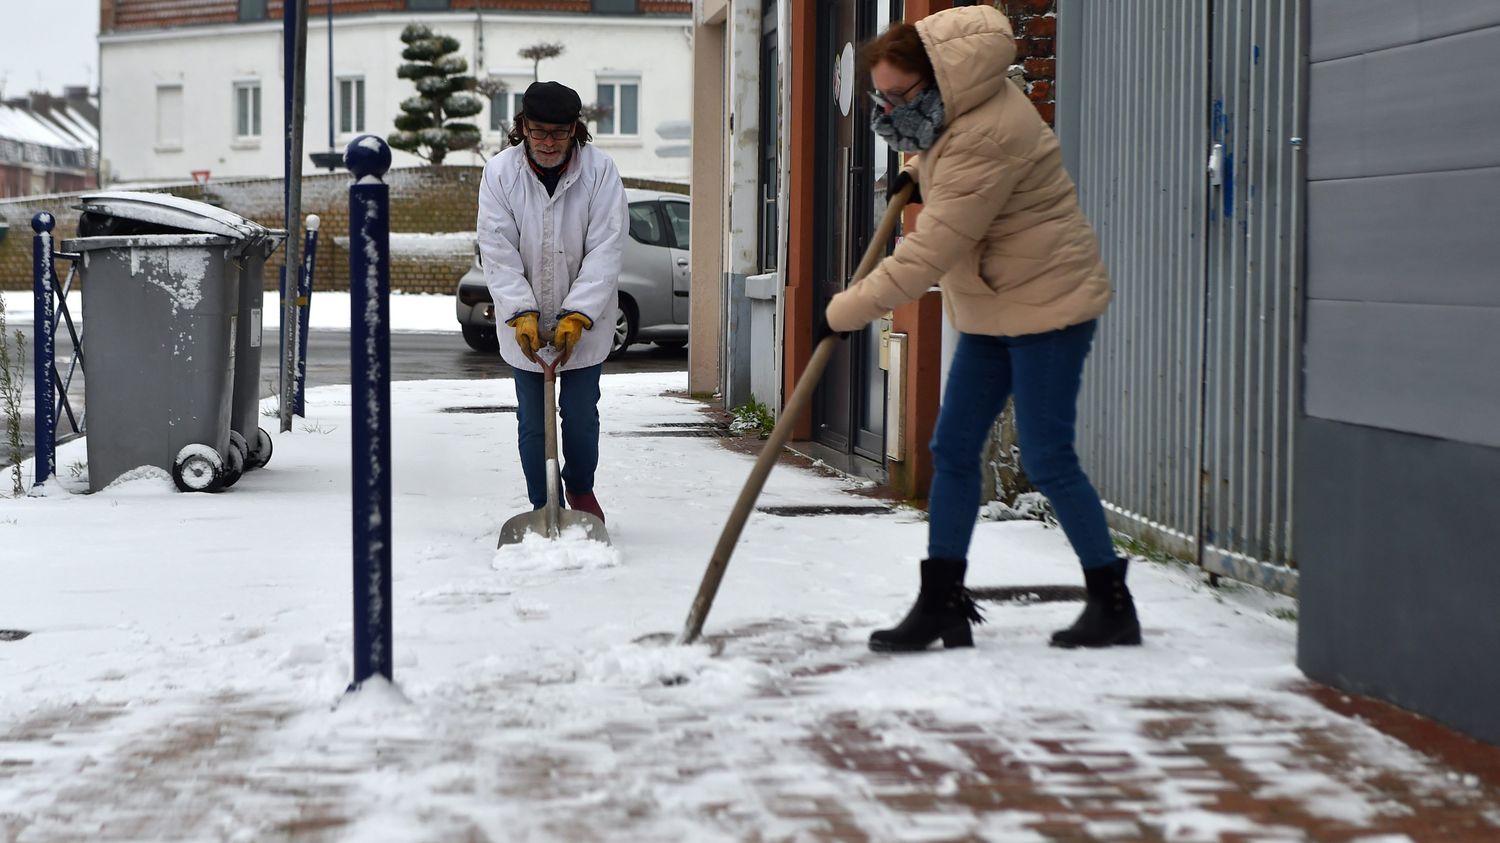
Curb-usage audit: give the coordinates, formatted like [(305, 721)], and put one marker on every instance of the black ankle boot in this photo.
[(1108, 618), (943, 610)]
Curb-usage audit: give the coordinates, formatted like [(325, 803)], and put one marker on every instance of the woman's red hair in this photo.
[(900, 45)]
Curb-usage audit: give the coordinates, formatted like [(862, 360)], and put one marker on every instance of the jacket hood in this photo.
[(971, 48)]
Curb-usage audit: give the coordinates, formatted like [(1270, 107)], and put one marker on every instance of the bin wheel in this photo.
[(198, 468), (234, 464), (238, 443), (261, 453)]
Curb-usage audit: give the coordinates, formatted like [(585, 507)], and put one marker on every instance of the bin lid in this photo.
[(168, 210)]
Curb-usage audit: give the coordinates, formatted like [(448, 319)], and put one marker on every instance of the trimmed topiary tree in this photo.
[(426, 126)]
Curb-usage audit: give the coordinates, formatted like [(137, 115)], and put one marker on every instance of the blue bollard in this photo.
[(304, 309), (368, 158), (44, 348)]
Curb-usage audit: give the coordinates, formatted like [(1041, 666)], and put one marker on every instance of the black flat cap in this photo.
[(551, 102)]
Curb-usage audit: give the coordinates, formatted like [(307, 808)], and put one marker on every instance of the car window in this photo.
[(645, 224), (677, 213)]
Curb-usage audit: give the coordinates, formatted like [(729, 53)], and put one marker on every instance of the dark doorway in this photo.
[(849, 409)]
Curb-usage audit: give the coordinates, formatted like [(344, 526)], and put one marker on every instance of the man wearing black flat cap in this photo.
[(552, 222)]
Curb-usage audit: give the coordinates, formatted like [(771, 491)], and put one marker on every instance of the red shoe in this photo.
[(586, 502)]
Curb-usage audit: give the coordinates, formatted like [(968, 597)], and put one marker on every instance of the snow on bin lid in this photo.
[(168, 210)]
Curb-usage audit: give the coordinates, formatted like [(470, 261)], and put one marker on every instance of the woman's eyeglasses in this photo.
[(555, 134), (895, 99)]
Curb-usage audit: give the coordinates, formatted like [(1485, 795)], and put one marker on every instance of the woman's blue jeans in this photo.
[(578, 407), (1044, 372)]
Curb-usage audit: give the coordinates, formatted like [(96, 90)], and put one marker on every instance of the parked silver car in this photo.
[(654, 280)]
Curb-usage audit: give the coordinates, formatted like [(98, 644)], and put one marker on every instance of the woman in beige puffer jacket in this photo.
[(1001, 232)]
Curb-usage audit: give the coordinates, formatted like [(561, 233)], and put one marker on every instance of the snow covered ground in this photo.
[(184, 677)]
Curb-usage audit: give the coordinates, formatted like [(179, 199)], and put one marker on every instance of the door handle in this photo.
[(682, 261), (1216, 165)]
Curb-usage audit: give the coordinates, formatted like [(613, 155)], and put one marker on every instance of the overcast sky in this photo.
[(47, 44)]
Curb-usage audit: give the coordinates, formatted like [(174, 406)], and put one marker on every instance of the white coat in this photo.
[(553, 254)]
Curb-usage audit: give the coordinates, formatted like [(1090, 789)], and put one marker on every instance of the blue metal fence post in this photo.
[(290, 170), (368, 158), (44, 348), (304, 308)]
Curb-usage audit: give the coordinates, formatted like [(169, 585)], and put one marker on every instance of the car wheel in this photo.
[(625, 326), (481, 339)]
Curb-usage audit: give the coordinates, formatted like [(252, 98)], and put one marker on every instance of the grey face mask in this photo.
[(913, 126)]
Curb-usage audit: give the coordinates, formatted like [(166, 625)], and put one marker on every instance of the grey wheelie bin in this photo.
[(161, 302)]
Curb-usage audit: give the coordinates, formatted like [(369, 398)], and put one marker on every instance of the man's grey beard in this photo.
[(561, 155)]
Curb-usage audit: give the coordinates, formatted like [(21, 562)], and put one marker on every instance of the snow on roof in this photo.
[(75, 125), (20, 125)]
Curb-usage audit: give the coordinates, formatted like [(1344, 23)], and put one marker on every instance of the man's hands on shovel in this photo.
[(528, 335), (564, 338), (569, 331)]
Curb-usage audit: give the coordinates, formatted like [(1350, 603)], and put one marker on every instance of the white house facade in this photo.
[(207, 101)]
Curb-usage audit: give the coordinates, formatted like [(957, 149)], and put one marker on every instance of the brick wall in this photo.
[(122, 15), (423, 199), (1035, 23)]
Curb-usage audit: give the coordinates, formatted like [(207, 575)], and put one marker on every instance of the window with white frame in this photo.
[(247, 110), (504, 106), (351, 105), (169, 116), (620, 101)]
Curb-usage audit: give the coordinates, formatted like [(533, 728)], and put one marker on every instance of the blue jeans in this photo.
[(1045, 372), (578, 407)]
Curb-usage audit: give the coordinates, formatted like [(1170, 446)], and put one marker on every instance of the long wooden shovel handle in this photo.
[(801, 397)]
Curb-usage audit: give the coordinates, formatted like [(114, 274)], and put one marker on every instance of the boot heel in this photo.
[(961, 635)]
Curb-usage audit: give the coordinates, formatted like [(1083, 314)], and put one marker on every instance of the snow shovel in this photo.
[(551, 520), (801, 396)]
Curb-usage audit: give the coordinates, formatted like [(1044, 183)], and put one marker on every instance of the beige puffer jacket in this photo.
[(1000, 229)]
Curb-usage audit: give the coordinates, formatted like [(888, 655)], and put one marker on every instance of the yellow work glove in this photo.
[(527, 335), (569, 331)]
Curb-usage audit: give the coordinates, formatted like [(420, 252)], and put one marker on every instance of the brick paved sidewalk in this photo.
[(1228, 770)]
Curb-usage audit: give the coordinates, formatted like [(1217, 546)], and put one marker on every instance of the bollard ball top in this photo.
[(43, 221), (313, 221), (368, 155)]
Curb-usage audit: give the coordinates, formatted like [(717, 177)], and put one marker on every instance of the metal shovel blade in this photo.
[(551, 521), (515, 530)]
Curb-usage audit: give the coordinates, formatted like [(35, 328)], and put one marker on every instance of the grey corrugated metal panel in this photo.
[(1251, 275), (1196, 261), (1291, 257), (1138, 186), (1349, 27), (1426, 369), (1223, 275), (1193, 370), (1420, 108), (1399, 586), (1424, 238), (1280, 192), (1448, 17)]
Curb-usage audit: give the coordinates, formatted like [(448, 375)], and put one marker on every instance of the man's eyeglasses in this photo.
[(555, 134), (894, 99)]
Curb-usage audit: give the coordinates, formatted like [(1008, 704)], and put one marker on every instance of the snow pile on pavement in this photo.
[(572, 551)]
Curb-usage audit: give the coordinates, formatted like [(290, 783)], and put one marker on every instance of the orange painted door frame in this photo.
[(921, 321)]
